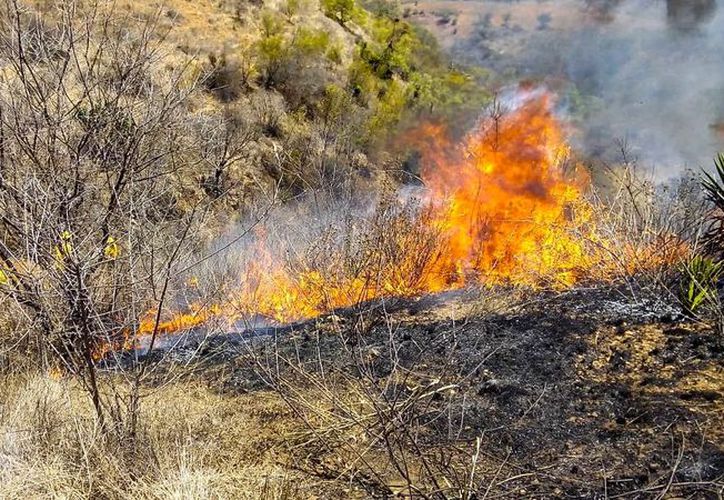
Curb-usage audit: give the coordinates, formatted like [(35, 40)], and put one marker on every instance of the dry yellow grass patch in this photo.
[(194, 444)]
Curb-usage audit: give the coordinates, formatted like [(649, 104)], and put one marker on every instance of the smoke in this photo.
[(645, 73)]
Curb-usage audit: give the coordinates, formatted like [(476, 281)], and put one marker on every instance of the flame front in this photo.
[(505, 206), (508, 201)]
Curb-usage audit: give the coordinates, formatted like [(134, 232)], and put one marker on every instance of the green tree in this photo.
[(341, 11)]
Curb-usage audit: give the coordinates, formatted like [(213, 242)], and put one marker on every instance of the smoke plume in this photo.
[(645, 73)]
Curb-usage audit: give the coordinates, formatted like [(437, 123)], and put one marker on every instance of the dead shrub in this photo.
[(372, 413), (226, 78), (268, 112)]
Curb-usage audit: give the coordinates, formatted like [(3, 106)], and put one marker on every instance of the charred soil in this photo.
[(587, 394)]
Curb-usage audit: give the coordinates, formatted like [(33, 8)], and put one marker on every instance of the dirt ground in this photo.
[(585, 394)]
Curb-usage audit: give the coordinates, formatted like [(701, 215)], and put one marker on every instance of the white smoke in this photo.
[(646, 72)]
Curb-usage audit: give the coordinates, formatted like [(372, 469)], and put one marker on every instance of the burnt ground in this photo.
[(585, 394)]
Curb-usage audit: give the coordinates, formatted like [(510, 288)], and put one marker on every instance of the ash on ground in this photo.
[(580, 394)]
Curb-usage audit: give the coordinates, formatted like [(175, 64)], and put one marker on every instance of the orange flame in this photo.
[(510, 209), (505, 206)]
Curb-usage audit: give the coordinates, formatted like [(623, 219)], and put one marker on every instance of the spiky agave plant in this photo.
[(699, 286), (713, 184)]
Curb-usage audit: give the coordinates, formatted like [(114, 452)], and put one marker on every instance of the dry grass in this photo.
[(196, 444)]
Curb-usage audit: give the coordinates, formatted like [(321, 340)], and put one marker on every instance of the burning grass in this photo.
[(507, 205)]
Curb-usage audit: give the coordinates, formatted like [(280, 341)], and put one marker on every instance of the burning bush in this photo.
[(505, 206)]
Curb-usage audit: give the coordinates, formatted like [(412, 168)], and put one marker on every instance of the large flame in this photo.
[(508, 200), (504, 206)]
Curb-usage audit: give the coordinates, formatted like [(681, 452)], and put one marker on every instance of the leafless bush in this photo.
[(302, 80), (319, 155), (650, 228), (228, 77), (225, 141), (93, 218), (268, 110), (375, 410)]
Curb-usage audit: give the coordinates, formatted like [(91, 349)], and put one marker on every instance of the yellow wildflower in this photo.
[(112, 249)]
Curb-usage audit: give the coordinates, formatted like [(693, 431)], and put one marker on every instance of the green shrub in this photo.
[(362, 80), (400, 56), (310, 43), (271, 24), (389, 109), (446, 92), (334, 54), (272, 53), (341, 11), (714, 189), (290, 8), (699, 283), (391, 53)]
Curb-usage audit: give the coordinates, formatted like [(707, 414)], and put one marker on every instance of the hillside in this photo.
[(289, 249)]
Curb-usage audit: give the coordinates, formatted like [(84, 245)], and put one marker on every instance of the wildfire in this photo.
[(508, 200), (506, 205)]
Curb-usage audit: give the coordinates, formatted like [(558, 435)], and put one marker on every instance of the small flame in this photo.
[(55, 372)]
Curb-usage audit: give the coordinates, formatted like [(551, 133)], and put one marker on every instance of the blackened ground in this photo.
[(598, 393)]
